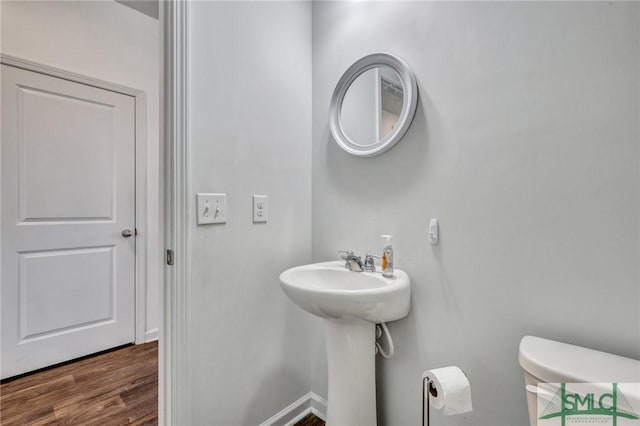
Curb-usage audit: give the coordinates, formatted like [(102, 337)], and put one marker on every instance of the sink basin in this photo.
[(331, 291)]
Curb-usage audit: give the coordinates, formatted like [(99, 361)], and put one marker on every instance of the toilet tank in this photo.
[(547, 361)]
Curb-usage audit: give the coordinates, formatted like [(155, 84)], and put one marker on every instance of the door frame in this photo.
[(140, 173), (177, 215)]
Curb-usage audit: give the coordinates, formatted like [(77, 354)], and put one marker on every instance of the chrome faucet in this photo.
[(355, 264), (352, 262)]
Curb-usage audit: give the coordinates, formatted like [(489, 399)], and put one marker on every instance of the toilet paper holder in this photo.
[(432, 389), (427, 383), (445, 384)]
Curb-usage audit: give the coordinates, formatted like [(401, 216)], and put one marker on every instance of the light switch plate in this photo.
[(211, 208), (260, 209)]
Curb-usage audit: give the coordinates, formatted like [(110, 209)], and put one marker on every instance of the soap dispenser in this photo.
[(387, 258)]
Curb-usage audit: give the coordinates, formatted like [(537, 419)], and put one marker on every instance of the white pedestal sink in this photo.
[(351, 303)]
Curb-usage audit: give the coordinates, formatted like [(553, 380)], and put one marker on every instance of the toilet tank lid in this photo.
[(556, 362)]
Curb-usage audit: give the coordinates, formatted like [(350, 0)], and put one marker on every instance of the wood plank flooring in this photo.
[(310, 420), (115, 388)]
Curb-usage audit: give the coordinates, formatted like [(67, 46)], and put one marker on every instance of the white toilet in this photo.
[(546, 361)]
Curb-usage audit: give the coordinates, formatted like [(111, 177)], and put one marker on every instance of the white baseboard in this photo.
[(151, 335), (298, 410), (318, 406)]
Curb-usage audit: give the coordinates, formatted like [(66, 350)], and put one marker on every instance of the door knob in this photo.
[(127, 233)]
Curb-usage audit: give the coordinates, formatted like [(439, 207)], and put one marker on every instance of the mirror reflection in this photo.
[(372, 105)]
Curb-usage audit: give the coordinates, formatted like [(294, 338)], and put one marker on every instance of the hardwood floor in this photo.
[(115, 388), (310, 420)]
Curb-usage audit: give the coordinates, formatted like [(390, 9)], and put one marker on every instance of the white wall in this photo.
[(525, 146), (108, 41), (249, 133)]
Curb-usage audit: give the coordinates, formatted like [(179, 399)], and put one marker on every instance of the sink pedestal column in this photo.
[(352, 372)]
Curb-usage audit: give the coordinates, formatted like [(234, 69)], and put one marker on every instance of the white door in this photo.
[(68, 192)]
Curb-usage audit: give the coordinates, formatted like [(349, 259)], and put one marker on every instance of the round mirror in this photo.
[(373, 105)]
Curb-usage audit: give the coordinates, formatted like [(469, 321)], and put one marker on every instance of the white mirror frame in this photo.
[(409, 103)]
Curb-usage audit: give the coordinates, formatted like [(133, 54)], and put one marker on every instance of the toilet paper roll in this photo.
[(448, 389)]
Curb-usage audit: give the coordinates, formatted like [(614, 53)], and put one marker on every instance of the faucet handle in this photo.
[(369, 262)]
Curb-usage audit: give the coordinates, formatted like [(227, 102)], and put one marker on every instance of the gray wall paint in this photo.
[(525, 146), (249, 133), (148, 7)]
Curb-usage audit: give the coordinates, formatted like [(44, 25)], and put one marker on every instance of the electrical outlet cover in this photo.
[(260, 208)]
